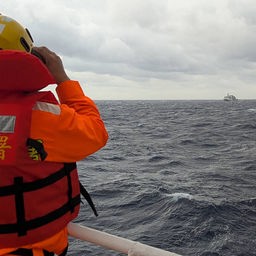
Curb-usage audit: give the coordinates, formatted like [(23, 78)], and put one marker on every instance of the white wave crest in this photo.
[(177, 196)]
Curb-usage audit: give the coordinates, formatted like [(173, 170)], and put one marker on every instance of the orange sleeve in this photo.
[(75, 132)]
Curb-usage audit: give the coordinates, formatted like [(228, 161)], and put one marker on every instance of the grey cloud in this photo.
[(137, 40)]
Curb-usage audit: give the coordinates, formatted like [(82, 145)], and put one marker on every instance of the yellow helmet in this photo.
[(14, 36)]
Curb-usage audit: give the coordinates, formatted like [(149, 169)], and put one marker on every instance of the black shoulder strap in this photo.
[(88, 198)]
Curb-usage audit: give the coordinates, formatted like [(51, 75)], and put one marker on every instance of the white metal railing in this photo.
[(115, 243)]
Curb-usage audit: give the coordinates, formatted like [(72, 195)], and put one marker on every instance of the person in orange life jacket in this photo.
[(39, 180)]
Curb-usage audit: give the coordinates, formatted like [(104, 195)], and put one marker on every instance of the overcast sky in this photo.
[(148, 49)]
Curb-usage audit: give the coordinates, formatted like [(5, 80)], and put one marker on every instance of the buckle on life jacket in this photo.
[(36, 149)]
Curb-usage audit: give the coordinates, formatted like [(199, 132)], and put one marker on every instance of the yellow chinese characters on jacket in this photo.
[(3, 146)]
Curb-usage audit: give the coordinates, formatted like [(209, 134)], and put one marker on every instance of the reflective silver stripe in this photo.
[(7, 124), (2, 26), (47, 107)]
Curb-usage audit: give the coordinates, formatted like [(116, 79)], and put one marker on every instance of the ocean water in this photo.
[(177, 175)]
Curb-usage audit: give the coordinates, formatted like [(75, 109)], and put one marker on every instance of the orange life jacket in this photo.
[(37, 198)]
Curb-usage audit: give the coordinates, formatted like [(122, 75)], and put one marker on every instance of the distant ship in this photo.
[(230, 97)]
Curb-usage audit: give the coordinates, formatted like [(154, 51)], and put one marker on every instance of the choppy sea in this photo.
[(177, 175)]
